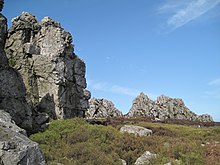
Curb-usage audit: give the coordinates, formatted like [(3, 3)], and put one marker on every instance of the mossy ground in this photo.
[(75, 142)]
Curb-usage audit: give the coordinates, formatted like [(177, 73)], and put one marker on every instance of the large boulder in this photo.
[(15, 147), (164, 108), (53, 75), (102, 108), (136, 130)]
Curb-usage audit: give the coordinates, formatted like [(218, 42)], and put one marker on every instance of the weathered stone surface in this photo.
[(136, 130), (7, 122), (102, 108), (146, 158), (53, 75), (12, 89), (15, 147), (164, 108)]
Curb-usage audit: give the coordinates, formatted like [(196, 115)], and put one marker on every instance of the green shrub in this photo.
[(75, 142)]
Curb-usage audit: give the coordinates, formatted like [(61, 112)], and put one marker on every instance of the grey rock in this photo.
[(123, 162), (168, 163), (146, 158), (16, 148), (102, 108), (7, 122), (53, 75), (12, 89), (164, 108), (136, 130)]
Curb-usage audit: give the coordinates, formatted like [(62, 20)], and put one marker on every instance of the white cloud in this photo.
[(107, 87), (214, 93), (215, 82), (185, 12)]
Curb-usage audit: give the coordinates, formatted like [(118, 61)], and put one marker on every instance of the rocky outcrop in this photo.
[(1, 5), (136, 130), (15, 147), (146, 158), (102, 108), (12, 89), (53, 75), (164, 108)]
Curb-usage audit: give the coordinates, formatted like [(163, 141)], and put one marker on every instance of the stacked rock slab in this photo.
[(164, 108), (54, 76), (102, 108), (12, 88)]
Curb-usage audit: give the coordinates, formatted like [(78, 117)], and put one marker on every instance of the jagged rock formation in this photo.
[(164, 108), (53, 75), (12, 89), (99, 108), (15, 147)]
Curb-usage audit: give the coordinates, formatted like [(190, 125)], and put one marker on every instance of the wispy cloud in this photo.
[(215, 82), (117, 89), (187, 11), (214, 90)]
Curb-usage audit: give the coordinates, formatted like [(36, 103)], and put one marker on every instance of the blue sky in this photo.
[(159, 47)]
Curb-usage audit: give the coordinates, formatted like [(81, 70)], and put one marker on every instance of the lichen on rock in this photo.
[(53, 74)]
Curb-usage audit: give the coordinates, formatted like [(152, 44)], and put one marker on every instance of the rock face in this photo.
[(12, 89), (53, 75), (146, 158), (102, 108), (1, 5), (164, 108), (136, 130), (15, 147), (7, 122)]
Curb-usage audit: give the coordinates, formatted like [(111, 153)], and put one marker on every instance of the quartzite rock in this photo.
[(12, 89), (53, 75), (15, 147), (164, 108), (136, 130), (146, 158), (99, 108)]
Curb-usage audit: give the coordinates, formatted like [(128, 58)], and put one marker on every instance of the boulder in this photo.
[(136, 130), (164, 108), (123, 162), (146, 158), (15, 147), (102, 108), (54, 76)]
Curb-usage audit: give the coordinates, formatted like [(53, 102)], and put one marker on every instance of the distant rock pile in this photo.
[(164, 108), (53, 75), (102, 108)]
